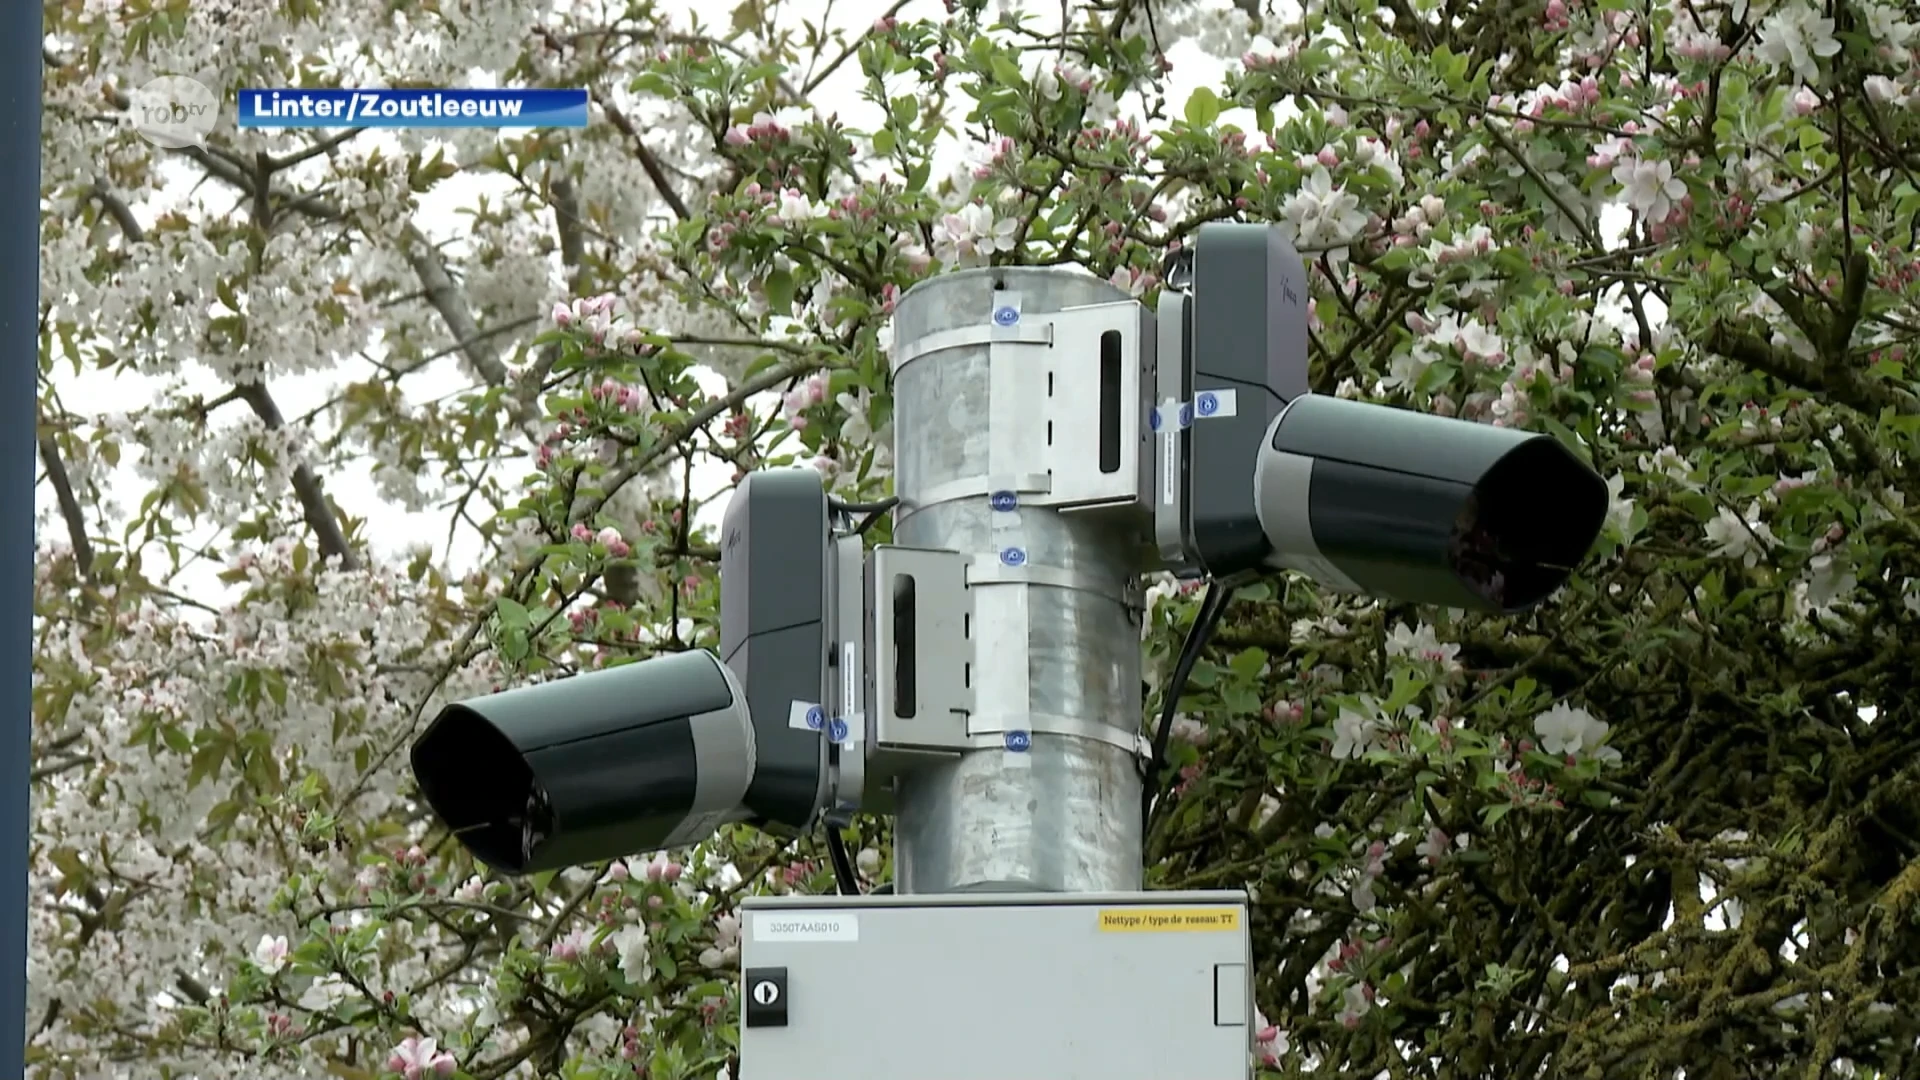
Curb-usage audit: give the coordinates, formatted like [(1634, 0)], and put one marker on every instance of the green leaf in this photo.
[(883, 142), (1438, 374), (779, 286), (1248, 662), (1203, 108), (1240, 700), (223, 815), (651, 82), (1567, 438), (513, 645), (1005, 72), (513, 614), (1405, 689), (206, 763), (764, 362), (1491, 815)]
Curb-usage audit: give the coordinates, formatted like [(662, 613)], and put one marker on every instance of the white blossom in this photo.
[(1354, 1004), (855, 430), (972, 232), (1420, 643), (631, 945), (1570, 730), (1650, 187), (1619, 507), (1356, 730), (1322, 214), (1735, 537), (795, 209), (1797, 38), (271, 954)]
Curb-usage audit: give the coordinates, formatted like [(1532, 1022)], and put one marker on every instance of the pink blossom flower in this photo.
[(416, 1057), (573, 946), (609, 538)]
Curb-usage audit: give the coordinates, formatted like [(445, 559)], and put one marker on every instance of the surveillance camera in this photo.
[(1423, 509), (660, 753), (636, 758), (1362, 498)]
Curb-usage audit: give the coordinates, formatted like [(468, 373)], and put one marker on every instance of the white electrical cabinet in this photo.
[(997, 986)]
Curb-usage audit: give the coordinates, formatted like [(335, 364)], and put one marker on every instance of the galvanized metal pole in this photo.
[(19, 309), (1057, 644)]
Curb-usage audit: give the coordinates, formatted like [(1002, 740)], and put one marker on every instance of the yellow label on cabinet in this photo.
[(1167, 920)]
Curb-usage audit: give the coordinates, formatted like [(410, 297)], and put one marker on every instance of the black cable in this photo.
[(882, 506), (842, 513), (842, 864), (1212, 607)]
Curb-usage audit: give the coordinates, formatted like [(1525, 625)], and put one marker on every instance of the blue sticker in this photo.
[(1006, 316), (1206, 404), (1013, 557), (1003, 501), (1019, 742), (837, 730), (1186, 414), (816, 719), (1153, 419)]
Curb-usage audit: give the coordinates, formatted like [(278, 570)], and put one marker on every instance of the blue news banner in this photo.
[(292, 108)]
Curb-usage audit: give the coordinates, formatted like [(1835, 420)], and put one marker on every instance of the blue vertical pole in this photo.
[(20, 29)]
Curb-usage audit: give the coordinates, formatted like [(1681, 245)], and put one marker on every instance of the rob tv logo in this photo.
[(173, 111)]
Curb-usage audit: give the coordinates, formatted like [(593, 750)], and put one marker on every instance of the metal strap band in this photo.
[(985, 732), (1016, 406), (1034, 333), (990, 571), (977, 487), (1002, 624)]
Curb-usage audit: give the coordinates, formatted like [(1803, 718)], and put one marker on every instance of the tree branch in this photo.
[(70, 511), (671, 438), (566, 214), (814, 80), (450, 301), (566, 220), (1843, 385), (306, 486), (647, 161)]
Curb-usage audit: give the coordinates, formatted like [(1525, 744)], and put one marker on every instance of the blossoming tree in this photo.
[(1666, 822)]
